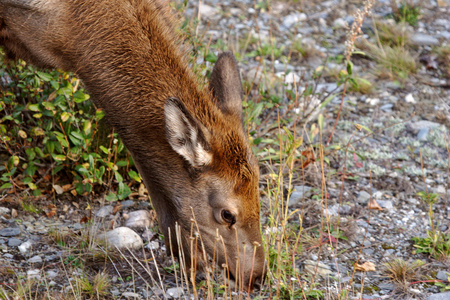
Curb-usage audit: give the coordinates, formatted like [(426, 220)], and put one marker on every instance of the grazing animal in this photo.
[(187, 141)]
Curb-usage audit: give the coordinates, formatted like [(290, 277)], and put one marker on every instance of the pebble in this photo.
[(442, 275), (387, 107), (34, 274), (207, 11), (105, 211), (25, 247), (123, 238), (293, 19), (298, 194), (373, 101), (363, 197), (138, 219), (423, 134), (35, 260), (340, 23), (13, 242), (410, 99), (127, 203), (174, 292), (4, 210), (386, 204), (131, 295), (417, 126), (10, 231), (314, 267), (422, 39), (440, 296)]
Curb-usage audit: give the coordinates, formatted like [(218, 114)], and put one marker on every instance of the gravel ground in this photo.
[(410, 121)]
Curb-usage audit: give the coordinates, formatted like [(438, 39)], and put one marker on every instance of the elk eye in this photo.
[(228, 217)]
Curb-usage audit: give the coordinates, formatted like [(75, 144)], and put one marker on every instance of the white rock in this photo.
[(207, 11), (293, 19), (104, 211), (340, 23), (123, 238), (174, 292), (33, 274), (4, 210), (410, 99), (373, 101), (35, 259), (138, 219), (131, 295), (24, 247), (291, 78), (52, 274), (153, 245), (423, 124)]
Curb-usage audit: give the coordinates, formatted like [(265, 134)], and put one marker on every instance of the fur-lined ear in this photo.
[(187, 136), (225, 84)]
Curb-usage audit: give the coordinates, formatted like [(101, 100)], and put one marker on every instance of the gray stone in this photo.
[(35, 260), (127, 203), (10, 231), (340, 23), (294, 19), (387, 204), (52, 274), (131, 295), (387, 107), (314, 267), (33, 274), (443, 275), (440, 296), (77, 226), (207, 11), (123, 238), (423, 134), (4, 210), (417, 126), (13, 242), (422, 39), (174, 292), (104, 211), (363, 197), (299, 193), (138, 219)]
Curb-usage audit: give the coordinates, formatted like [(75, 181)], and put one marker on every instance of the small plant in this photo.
[(401, 271), (436, 244), (396, 61), (405, 12), (97, 286)]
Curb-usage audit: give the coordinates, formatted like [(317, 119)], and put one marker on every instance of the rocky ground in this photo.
[(407, 153)]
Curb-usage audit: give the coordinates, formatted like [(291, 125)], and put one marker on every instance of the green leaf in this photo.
[(6, 186), (44, 76), (65, 116), (79, 96), (104, 149), (135, 176), (33, 107), (77, 135), (327, 100), (111, 197), (59, 157), (349, 68), (119, 177)]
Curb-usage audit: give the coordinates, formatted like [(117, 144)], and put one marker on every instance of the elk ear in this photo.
[(185, 134), (225, 84)]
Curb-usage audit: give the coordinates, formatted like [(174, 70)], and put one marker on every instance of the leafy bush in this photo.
[(49, 130)]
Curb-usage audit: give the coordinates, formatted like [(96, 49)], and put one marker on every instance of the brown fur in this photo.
[(191, 151)]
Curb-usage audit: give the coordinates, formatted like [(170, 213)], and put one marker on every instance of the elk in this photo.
[(187, 141)]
